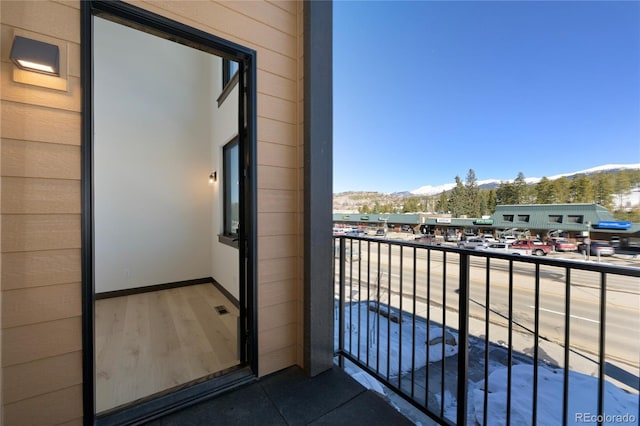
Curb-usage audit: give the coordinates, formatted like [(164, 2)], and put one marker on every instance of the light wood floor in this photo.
[(147, 343)]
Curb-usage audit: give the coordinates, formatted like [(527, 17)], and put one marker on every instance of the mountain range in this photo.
[(494, 183)]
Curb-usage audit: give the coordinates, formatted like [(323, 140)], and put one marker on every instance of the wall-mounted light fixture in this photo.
[(34, 55), (213, 177)]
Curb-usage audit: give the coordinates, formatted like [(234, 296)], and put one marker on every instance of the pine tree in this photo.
[(472, 195)]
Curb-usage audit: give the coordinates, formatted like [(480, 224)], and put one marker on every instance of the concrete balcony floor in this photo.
[(289, 397)]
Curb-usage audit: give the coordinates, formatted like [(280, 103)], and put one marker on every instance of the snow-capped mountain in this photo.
[(491, 183)]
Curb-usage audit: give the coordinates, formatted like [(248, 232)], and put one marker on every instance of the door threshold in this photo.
[(148, 409)]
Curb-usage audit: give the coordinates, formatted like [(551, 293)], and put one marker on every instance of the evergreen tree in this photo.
[(520, 189), (491, 201), (472, 195), (561, 189), (457, 199), (622, 186), (581, 190), (442, 205), (506, 193), (603, 189), (544, 192)]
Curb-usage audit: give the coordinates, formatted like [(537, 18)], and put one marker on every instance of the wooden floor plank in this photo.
[(147, 343)]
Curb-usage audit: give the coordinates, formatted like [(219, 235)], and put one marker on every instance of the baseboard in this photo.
[(226, 293), (150, 288), (167, 286)]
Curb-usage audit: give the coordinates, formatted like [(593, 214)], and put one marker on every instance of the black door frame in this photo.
[(160, 26)]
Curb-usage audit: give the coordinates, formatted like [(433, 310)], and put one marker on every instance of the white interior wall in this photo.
[(156, 141)]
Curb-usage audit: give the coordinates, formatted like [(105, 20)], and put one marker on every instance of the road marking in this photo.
[(562, 313)]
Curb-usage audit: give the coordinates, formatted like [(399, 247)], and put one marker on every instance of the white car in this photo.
[(509, 239), (503, 248)]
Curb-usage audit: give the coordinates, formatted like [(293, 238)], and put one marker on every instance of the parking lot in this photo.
[(620, 258)]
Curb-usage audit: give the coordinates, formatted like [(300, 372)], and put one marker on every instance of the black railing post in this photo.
[(601, 355), (463, 338), (341, 304)]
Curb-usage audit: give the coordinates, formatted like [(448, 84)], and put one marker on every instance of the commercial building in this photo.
[(573, 221)]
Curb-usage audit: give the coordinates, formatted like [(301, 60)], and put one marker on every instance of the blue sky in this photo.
[(424, 91)]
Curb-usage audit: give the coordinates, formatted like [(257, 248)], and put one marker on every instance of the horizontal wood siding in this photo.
[(40, 163), (40, 239)]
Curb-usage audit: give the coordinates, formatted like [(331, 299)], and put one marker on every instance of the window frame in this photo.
[(229, 79), (227, 236)]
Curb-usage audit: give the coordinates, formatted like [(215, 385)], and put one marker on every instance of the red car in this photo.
[(561, 244)]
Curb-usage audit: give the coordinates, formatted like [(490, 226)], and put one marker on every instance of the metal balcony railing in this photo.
[(471, 337)]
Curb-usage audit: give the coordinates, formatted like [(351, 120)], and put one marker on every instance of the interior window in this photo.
[(229, 69), (231, 189)]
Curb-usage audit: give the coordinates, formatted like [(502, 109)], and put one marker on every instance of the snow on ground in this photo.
[(372, 338), (583, 398), (582, 388)]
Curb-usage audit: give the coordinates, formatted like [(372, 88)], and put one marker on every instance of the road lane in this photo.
[(623, 320)]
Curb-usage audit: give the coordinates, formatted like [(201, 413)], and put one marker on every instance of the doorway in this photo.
[(168, 285)]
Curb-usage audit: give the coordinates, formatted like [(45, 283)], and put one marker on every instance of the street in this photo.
[(436, 277)]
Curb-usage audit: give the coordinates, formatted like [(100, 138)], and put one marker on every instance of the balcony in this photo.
[(464, 337), (471, 337)]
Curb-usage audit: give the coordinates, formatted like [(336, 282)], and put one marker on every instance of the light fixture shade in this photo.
[(34, 55)]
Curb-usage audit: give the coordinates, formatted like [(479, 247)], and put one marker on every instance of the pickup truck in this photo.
[(537, 248)]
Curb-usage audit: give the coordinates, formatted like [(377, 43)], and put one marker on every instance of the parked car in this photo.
[(503, 248), (562, 244), (509, 239), (537, 247), (599, 248), (472, 243), (380, 232)]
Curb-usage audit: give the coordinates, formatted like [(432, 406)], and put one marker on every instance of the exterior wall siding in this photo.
[(40, 203), (40, 240)]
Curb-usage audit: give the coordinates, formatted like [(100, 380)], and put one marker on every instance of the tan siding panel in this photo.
[(276, 132), (270, 270), (277, 109), (273, 247), (52, 408), (277, 86), (278, 292), (277, 338), (276, 201), (40, 160), (39, 124), (288, 5), (40, 232), (272, 154), (52, 19), (276, 63), (43, 376), (229, 22), (40, 268), (40, 304), (23, 195), (266, 13), (278, 315), (277, 224), (277, 360), (34, 95), (70, 3), (270, 177), (38, 341)]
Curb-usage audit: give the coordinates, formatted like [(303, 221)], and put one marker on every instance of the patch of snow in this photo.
[(371, 339), (583, 397)]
